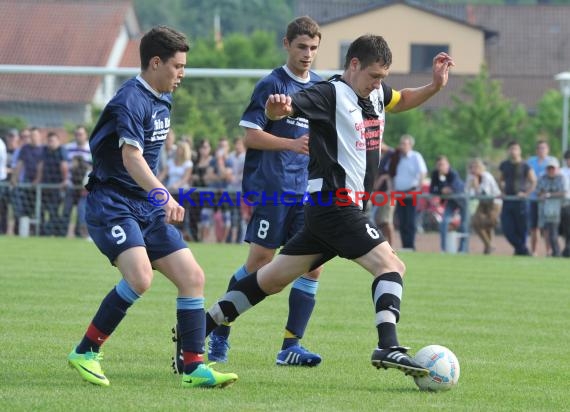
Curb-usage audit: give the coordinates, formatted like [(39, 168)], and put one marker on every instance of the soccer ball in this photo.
[(443, 368)]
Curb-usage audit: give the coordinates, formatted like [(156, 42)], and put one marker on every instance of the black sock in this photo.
[(233, 304), (386, 295)]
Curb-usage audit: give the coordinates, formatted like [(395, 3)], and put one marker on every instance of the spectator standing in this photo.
[(179, 176), (538, 164), (237, 160), (484, 221), (201, 216), (517, 182), (446, 183), (79, 164), (203, 161), (27, 160), (219, 176), (8, 222), (4, 189), (410, 173), (52, 169), (180, 168), (551, 189), (565, 213), (24, 138), (167, 152), (383, 215)]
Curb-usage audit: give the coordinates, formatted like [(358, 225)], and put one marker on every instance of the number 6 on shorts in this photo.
[(372, 232)]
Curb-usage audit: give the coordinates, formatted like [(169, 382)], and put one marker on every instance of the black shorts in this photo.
[(334, 230)]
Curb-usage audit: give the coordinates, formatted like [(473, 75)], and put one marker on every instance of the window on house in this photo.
[(342, 56), (423, 54)]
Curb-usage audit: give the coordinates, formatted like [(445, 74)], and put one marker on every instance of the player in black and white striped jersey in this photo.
[(346, 122)]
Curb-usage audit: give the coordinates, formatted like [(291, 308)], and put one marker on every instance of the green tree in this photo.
[(189, 117), (196, 17), (212, 107), (259, 50), (431, 139), (482, 118), (479, 122), (11, 122), (546, 124), (152, 13)]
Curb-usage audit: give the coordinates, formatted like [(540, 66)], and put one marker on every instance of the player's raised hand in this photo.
[(174, 212), (278, 106), (301, 145), (441, 65)]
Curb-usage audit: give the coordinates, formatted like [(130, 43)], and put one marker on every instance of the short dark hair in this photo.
[(513, 143), (161, 41), (369, 49), (567, 154), (303, 26), (440, 158)]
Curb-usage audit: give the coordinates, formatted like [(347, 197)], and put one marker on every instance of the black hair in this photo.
[(369, 49), (161, 41)]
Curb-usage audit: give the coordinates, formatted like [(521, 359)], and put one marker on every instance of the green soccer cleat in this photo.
[(88, 366), (205, 377)]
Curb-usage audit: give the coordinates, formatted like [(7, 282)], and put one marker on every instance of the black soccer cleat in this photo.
[(398, 358), (177, 359)]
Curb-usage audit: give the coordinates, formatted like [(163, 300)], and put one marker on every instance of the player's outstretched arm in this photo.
[(413, 97)]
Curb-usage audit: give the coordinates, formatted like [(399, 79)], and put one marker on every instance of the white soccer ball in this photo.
[(443, 368)]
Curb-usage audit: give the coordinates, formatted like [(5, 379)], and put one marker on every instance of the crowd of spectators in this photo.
[(182, 167), (527, 199), (32, 159)]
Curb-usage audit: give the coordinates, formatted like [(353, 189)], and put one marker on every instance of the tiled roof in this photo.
[(324, 11), (57, 32), (329, 12), (131, 56), (531, 45), (531, 41)]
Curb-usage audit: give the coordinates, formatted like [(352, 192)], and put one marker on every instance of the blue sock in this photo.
[(111, 312), (224, 330), (301, 304), (192, 328)]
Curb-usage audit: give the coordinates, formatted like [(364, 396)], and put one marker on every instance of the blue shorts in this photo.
[(271, 226), (117, 222)]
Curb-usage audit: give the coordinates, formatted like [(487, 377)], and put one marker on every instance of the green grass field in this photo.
[(505, 318)]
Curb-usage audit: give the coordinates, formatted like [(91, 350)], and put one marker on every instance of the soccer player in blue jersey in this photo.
[(346, 119), (124, 219), (276, 162)]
